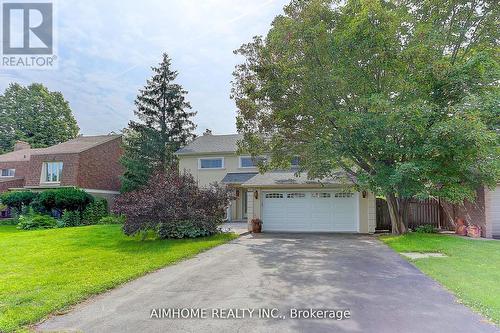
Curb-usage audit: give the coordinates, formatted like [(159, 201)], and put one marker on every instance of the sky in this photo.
[(106, 49)]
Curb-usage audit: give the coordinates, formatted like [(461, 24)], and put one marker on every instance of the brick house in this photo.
[(89, 162)]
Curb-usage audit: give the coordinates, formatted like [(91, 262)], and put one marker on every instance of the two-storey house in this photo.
[(283, 200)]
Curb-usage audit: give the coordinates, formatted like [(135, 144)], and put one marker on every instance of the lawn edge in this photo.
[(460, 300), (90, 297)]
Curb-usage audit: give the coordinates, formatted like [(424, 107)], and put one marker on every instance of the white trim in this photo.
[(211, 158)]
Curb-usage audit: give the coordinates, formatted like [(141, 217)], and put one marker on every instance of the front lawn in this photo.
[(45, 271), (471, 270)]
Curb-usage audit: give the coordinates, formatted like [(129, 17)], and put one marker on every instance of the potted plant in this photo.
[(474, 231), (461, 227), (256, 225)]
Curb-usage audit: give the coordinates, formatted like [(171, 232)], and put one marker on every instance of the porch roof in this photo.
[(237, 177)]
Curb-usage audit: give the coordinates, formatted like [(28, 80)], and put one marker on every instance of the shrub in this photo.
[(185, 229), (172, 203), (18, 199), (70, 218), (65, 199), (425, 229), (112, 219), (36, 221), (95, 211)]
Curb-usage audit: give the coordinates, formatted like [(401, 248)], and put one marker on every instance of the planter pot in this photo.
[(256, 226), (474, 231), (460, 227)]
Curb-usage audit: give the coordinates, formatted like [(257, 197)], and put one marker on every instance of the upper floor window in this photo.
[(250, 162), (211, 163), (7, 172), (52, 172)]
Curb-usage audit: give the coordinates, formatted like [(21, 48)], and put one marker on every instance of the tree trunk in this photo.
[(397, 224)]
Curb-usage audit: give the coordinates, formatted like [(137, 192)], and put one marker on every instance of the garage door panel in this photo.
[(304, 211)]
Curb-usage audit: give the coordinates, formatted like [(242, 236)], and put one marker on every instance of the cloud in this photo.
[(106, 49)]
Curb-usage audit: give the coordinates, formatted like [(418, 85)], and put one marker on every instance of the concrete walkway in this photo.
[(382, 291)]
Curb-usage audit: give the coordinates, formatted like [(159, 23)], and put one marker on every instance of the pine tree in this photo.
[(164, 126)]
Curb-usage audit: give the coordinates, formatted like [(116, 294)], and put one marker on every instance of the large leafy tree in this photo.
[(164, 126), (35, 115), (401, 95)]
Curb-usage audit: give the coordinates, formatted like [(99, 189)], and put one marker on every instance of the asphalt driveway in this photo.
[(382, 291)]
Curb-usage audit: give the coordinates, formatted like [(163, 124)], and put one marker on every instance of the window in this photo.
[(343, 195), (274, 195), (321, 195), (211, 163), (249, 162), (295, 195), (52, 172), (8, 172)]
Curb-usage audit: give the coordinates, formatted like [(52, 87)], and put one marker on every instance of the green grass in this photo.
[(46, 271), (471, 270)]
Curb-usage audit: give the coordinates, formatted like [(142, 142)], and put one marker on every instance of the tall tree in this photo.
[(401, 95), (35, 115), (164, 126)]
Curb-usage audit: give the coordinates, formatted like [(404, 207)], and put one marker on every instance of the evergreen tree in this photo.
[(164, 126)]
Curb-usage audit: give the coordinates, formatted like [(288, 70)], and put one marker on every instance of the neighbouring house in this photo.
[(89, 162), (283, 200)]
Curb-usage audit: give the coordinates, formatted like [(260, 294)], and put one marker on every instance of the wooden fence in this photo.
[(415, 213)]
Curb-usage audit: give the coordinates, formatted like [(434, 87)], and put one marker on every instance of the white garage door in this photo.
[(494, 213), (310, 211)]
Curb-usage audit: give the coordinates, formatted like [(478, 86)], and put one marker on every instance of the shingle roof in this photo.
[(76, 145), (237, 177), (212, 144), (18, 155), (287, 178)]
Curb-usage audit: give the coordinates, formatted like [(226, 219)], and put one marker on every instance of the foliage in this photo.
[(112, 219), (35, 115), (95, 211), (18, 199), (425, 229), (65, 199), (71, 219), (36, 221), (164, 126), (186, 229), (470, 269), (45, 271), (402, 97), (170, 200)]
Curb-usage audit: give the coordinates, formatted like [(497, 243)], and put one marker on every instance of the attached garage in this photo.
[(297, 210)]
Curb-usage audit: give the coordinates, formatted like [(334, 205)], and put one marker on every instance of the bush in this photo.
[(185, 229), (65, 199), (95, 211), (112, 219), (36, 221), (70, 218), (18, 199), (425, 229), (172, 204)]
